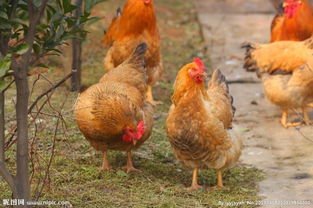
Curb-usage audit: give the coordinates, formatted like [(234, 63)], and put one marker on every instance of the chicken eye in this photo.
[(199, 78)]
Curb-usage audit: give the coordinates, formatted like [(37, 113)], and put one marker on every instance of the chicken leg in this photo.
[(219, 184), (310, 105), (129, 166), (105, 163), (306, 118), (194, 185), (284, 120), (219, 179), (150, 96)]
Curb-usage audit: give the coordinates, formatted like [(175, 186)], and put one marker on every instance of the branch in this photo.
[(7, 177), (34, 18), (2, 127), (10, 142), (52, 149), (9, 85), (4, 39), (49, 90), (8, 74)]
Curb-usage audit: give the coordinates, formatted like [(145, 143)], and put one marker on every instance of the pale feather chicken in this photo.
[(113, 114), (199, 122), (285, 68)]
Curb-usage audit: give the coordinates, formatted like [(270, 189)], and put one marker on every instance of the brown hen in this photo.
[(137, 23), (113, 114), (199, 121)]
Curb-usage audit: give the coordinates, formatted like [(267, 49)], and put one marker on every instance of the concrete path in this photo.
[(284, 155)]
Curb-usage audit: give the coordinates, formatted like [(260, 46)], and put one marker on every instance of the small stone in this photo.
[(253, 102)]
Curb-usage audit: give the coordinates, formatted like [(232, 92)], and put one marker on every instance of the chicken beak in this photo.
[(134, 142), (147, 1), (205, 75), (285, 4)]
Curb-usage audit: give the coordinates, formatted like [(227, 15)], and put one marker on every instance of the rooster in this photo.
[(199, 122), (113, 114), (135, 24), (286, 71), (294, 21)]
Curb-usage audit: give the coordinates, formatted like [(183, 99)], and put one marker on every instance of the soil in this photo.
[(285, 155)]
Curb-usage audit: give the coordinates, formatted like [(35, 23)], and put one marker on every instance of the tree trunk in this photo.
[(76, 53), (76, 65), (2, 126), (22, 91)]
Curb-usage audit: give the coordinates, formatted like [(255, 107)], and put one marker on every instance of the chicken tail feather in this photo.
[(118, 12), (249, 63), (234, 152), (138, 56), (220, 80)]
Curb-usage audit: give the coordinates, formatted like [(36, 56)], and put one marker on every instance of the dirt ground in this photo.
[(285, 155)]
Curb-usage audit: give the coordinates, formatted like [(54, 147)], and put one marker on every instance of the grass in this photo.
[(74, 176)]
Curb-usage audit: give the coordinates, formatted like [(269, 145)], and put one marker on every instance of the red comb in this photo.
[(200, 63)]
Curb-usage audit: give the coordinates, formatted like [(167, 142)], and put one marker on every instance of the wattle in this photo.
[(291, 10)]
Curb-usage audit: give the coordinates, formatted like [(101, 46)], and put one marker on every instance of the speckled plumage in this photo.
[(199, 122), (105, 109)]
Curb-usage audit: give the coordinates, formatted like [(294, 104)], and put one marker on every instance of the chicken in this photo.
[(286, 71), (137, 23), (199, 122), (114, 21), (113, 114), (294, 22)]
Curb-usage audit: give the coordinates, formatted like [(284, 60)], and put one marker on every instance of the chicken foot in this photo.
[(219, 184), (194, 185), (150, 96), (105, 163), (284, 120), (129, 167)]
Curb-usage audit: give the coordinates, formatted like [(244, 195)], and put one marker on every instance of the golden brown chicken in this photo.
[(113, 114), (137, 23), (285, 68), (294, 21), (199, 122)]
